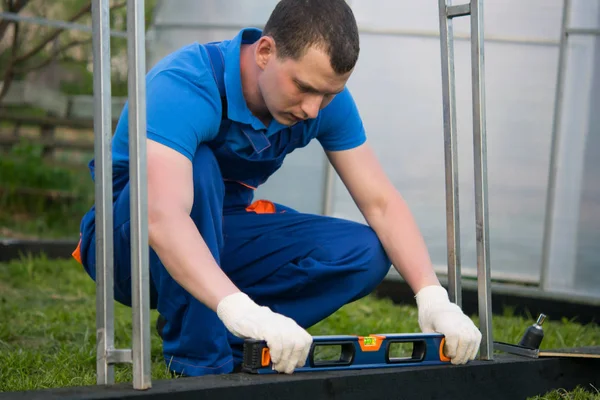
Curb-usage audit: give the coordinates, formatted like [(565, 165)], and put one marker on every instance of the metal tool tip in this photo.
[(541, 319)]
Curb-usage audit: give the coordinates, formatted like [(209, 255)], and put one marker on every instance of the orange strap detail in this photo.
[(241, 183), (77, 253), (262, 207)]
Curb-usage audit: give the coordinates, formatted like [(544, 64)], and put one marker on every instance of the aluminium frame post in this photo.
[(140, 252), (447, 12), (450, 155), (482, 235), (103, 191)]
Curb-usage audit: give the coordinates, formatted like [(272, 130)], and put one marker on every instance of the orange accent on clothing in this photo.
[(262, 207), (77, 253)]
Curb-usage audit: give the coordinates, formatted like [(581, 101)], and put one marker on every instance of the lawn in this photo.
[(42, 198), (47, 335)]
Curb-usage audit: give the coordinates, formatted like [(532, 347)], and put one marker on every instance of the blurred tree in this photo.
[(60, 57)]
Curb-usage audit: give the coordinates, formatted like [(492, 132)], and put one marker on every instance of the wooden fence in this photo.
[(74, 113), (47, 127)]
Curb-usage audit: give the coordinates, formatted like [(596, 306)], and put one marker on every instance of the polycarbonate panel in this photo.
[(399, 97), (574, 250), (533, 19)]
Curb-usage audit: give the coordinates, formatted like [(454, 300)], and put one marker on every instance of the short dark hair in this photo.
[(295, 25)]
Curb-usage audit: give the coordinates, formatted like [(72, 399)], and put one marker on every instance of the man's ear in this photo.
[(265, 49)]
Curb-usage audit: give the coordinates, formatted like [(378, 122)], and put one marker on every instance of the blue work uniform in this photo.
[(300, 265)]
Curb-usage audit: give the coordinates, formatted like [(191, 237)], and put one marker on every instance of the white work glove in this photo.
[(288, 343), (438, 314)]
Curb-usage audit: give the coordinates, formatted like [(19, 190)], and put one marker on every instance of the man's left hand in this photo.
[(438, 314)]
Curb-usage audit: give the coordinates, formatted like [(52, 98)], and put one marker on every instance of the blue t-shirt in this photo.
[(184, 105)]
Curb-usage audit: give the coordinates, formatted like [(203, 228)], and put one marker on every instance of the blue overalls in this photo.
[(301, 265)]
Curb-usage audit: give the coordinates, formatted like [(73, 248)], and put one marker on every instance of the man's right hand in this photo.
[(289, 344)]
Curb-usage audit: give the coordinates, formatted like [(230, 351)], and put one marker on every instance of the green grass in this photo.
[(42, 197), (47, 335), (579, 393), (47, 338)]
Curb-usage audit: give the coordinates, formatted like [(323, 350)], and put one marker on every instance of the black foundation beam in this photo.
[(506, 377), (11, 249)]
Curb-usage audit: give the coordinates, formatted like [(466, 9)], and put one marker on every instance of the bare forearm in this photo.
[(185, 255), (397, 229)]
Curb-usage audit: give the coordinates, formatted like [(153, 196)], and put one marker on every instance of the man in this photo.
[(220, 120)]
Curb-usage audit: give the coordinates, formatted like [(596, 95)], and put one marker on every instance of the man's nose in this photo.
[(311, 106)]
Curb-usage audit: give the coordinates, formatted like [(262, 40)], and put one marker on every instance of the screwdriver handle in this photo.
[(532, 338)]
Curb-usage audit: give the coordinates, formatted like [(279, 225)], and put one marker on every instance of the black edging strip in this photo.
[(506, 377)]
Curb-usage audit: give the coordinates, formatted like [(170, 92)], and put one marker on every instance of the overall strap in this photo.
[(258, 139), (218, 67)]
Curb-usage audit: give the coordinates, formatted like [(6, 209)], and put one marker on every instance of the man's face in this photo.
[(294, 90)]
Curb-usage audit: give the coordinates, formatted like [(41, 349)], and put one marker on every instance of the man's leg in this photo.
[(194, 339), (300, 265)]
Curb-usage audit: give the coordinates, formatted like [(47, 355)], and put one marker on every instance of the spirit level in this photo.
[(355, 352)]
